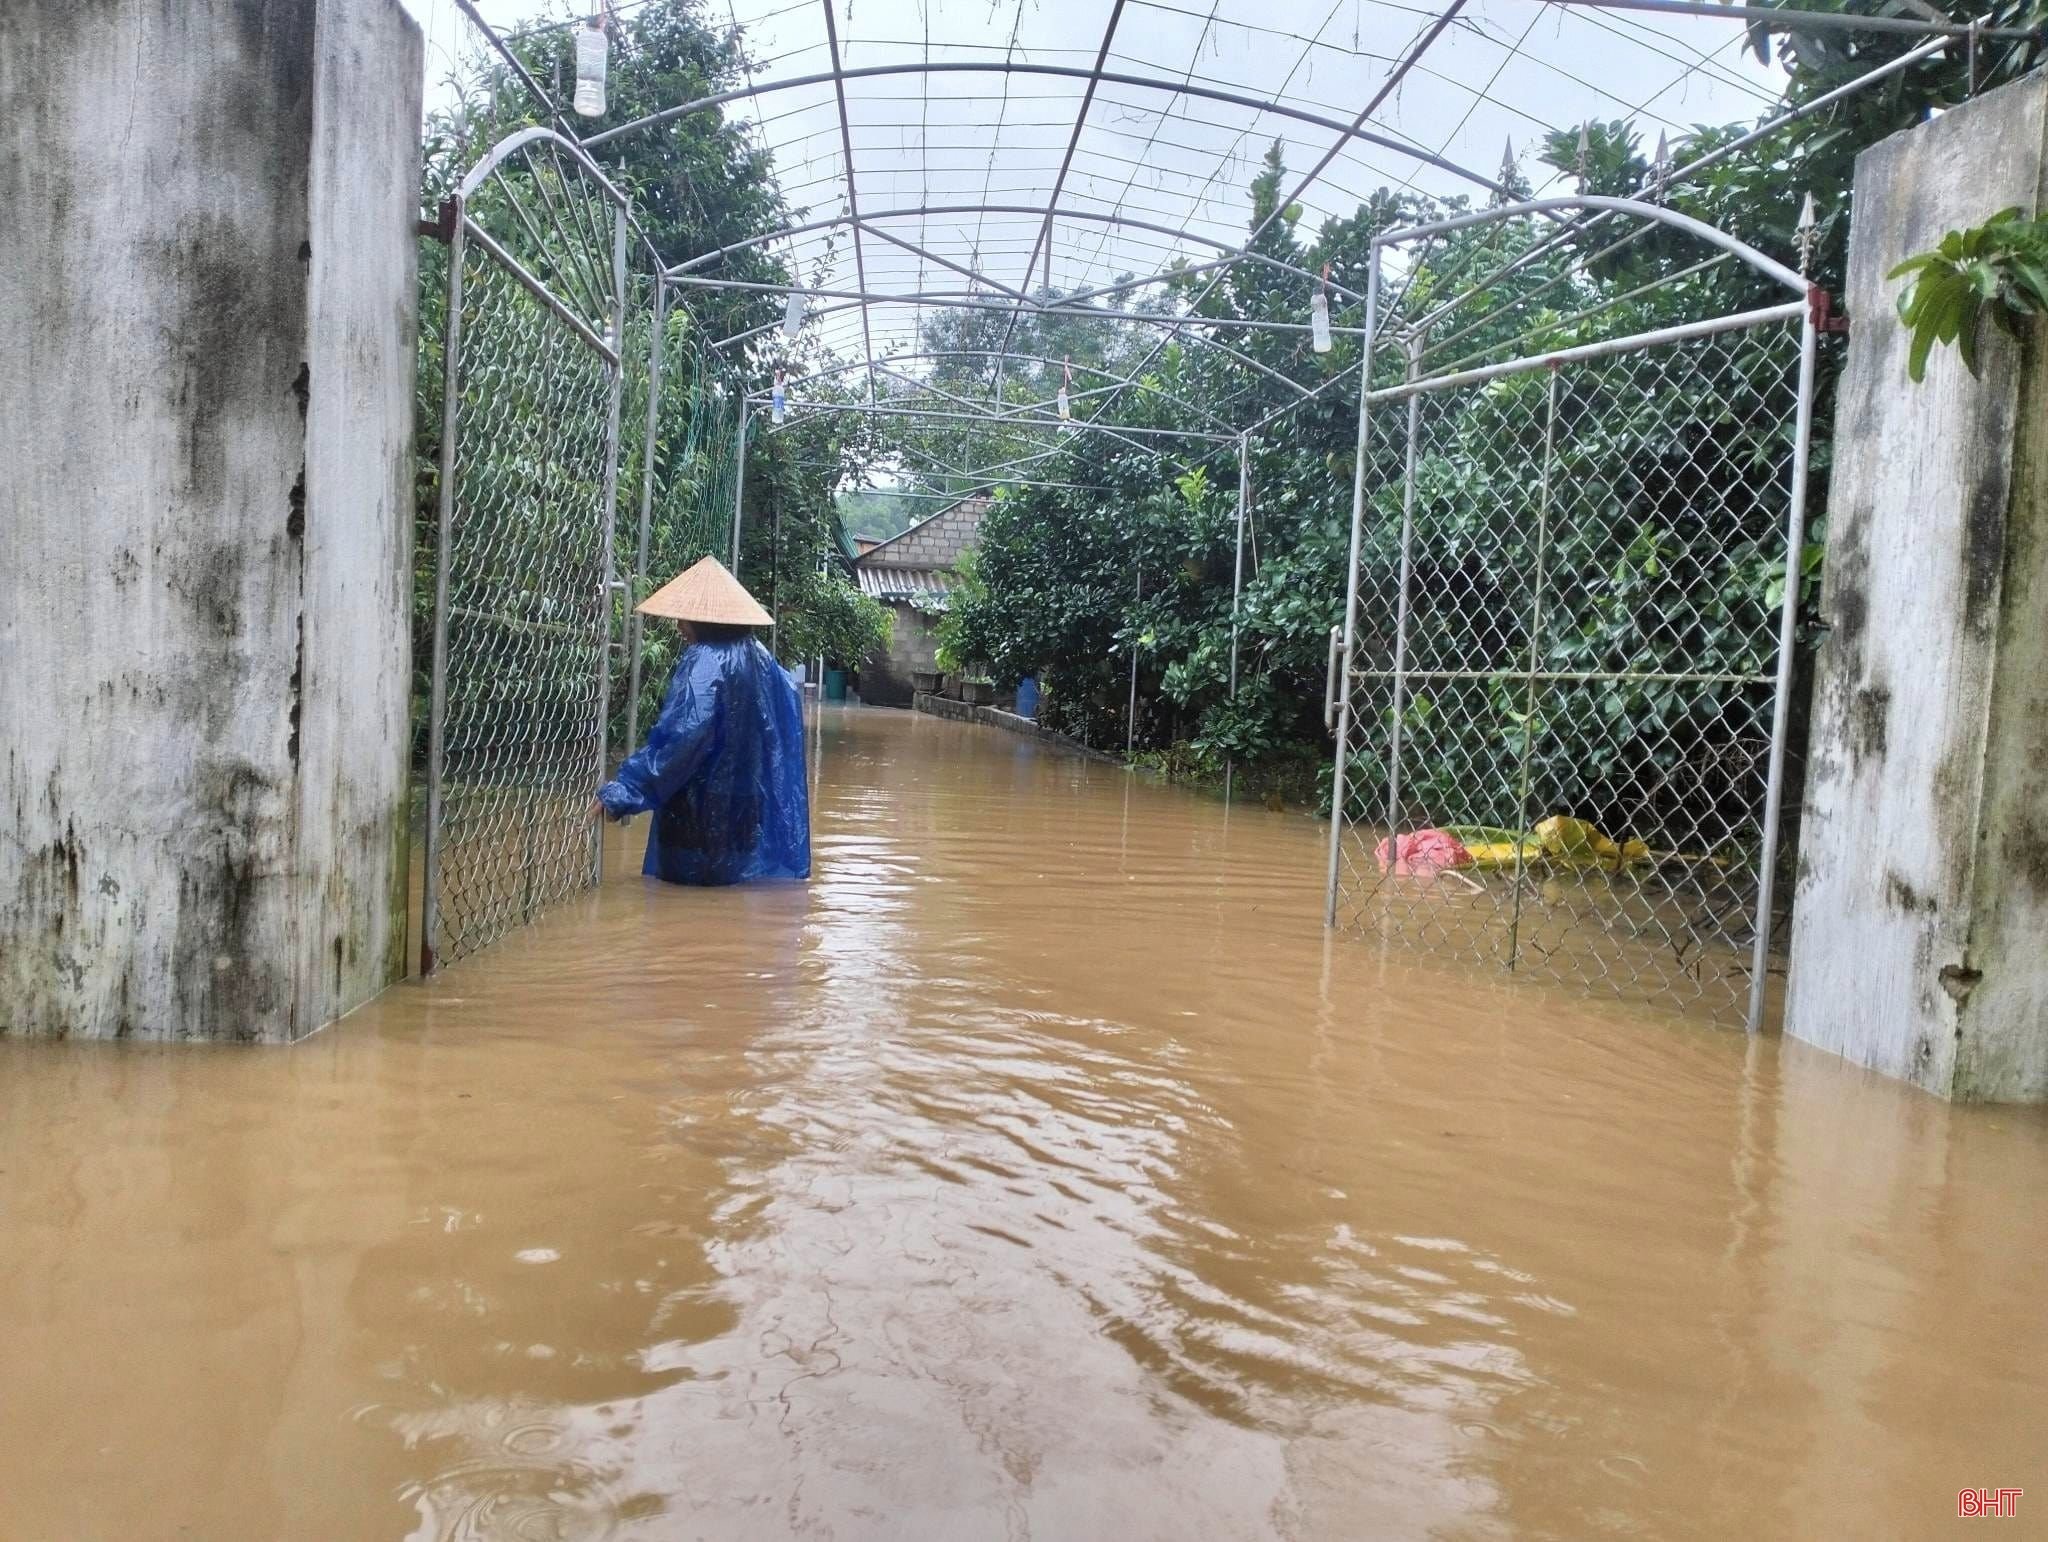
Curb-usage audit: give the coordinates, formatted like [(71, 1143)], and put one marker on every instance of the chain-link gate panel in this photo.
[(1565, 677), (523, 609)]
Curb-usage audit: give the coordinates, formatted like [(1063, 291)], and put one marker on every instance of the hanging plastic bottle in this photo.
[(1319, 314), (1066, 380), (793, 314), (591, 47), (778, 400)]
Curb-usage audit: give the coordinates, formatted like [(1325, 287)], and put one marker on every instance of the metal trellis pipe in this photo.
[(1401, 609), (608, 595), (1790, 18), (1341, 661), (1788, 620), (648, 451), (739, 483), (1131, 713), (437, 698), (1237, 584)]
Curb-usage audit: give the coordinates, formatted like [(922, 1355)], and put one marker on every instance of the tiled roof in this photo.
[(928, 585)]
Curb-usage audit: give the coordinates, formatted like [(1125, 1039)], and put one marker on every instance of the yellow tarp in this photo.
[(1560, 838), (1565, 839)]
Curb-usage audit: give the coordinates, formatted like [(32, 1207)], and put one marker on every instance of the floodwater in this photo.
[(1038, 1170)]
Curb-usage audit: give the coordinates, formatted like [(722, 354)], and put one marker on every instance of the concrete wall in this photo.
[(913, 648), (1920, 938), (206, 278)]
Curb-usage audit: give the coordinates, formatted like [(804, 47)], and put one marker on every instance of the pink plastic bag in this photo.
[(1424, 854)]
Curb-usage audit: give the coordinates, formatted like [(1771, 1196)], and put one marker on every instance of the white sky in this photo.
[(1507, 70)]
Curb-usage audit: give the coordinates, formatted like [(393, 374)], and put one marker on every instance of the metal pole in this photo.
[(1131, 714), (739, 485), (1177, 86), (802, 410), (1737, 321), (1244, 476), (1788, 618), (1401, 611), (437, 698), (609, 532), (648, 451), (1372, 294), (1535, 654), (1790, 18), (1244, 473)]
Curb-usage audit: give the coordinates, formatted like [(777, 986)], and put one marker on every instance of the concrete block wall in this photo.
[(207, 268), (1920, 934), (937, 542), (885, 674)]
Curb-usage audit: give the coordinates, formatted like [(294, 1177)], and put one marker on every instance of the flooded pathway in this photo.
[(1037, 1171)]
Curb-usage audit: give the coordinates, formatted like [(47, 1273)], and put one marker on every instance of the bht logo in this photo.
[(2004, 1503)]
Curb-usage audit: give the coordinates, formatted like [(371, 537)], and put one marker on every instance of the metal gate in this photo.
[(1560, 692), (523, 608)]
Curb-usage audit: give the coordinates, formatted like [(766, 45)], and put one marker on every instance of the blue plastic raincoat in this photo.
[(722, 771)]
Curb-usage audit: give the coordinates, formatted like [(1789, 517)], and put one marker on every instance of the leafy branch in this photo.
[(2000, 266)]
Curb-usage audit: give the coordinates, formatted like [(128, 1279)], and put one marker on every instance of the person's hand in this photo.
[(595, 814)]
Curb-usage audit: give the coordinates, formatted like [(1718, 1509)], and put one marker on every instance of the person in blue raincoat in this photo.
[(722, 770)]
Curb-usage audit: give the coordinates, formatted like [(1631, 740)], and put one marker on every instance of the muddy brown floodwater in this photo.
[(1038, 1170)]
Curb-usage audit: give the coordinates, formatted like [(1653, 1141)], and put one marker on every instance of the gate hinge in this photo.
[(1820, 305), (442, 227)]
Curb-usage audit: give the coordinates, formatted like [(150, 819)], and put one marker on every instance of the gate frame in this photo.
[(1805, 309), (462, 230)]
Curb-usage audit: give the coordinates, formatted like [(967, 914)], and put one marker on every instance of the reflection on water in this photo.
[(1036, 1171)]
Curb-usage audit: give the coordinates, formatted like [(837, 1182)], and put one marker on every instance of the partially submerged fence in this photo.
[(1561, 687), (549, 339)]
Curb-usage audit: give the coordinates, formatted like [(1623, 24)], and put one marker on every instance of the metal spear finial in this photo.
[(1809, 234)]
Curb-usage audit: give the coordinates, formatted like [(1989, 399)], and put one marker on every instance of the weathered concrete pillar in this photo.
[(1920, 941), (207, 258)]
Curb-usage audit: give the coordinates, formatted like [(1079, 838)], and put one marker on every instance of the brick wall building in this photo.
[(912, 574)]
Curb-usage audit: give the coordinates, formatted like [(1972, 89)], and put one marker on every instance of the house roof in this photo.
[(928, 586)]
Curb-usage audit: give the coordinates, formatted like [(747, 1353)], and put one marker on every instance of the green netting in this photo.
[(688, 501)]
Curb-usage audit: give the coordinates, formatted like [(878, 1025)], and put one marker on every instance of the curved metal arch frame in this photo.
[(1085, 216), (837, 78), (1015, 414), (517, 141), (965, 301), (1710, 235)]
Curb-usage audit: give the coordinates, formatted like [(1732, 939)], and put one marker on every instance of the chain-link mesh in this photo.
[(526, 615), (1566, 662)]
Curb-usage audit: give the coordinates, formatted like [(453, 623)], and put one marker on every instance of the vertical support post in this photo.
[(1131, 712), (1244, 474), (1535, 658), (1401, 605), (739, 483), (437, 697), (647, 454), (1781, 707), (609, 532), (1372, 296)]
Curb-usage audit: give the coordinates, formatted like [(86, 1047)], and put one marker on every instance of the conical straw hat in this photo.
[(707, 592)]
